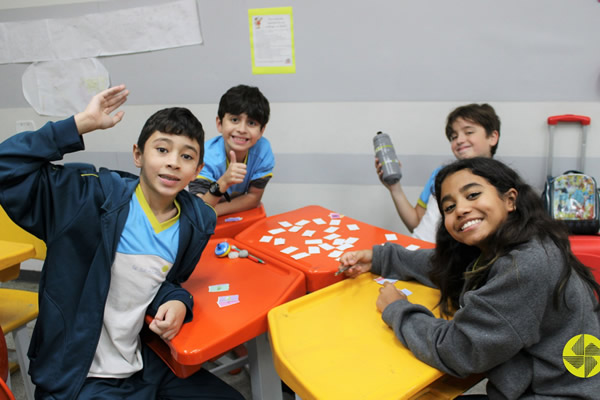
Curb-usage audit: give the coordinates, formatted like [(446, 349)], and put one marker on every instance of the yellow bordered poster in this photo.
[(272, 40)]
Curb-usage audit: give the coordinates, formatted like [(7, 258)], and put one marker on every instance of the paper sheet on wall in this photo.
[(272, 40), (63, 87), (130, 30)]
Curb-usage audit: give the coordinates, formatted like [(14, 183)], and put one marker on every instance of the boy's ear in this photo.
[(510, 199), (494, 137), (137, 156), (219, 124), (198, 169)]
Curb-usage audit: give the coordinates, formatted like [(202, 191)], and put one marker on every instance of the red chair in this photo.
[(3, 357), (5, 393), (592, 261), (587, 249)]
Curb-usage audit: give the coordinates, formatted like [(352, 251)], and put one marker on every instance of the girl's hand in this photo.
[(359, 262), (168, 319), (387, 295)]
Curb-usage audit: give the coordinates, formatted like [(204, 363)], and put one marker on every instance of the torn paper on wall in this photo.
[(130, 30), (63, 87)]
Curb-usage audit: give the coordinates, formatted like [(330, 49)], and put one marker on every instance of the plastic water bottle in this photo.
[(384, 151)]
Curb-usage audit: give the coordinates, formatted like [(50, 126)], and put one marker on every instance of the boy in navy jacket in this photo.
[(118, 248)]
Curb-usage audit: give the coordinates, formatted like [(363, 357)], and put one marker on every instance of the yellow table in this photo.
[(11, 256), (333, 344)]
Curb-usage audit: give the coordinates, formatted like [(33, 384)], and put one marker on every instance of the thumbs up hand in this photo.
[(236, 172)]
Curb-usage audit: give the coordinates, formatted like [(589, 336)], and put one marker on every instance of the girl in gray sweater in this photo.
[(525, 310)]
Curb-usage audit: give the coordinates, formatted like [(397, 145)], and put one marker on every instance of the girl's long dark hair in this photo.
[(529, 220)]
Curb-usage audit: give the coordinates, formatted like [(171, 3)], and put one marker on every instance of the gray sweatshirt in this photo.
[(507, 328)]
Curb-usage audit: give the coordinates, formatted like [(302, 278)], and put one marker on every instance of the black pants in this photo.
[(157, 381)]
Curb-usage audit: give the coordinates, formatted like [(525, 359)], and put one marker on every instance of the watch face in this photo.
[(214, 189)]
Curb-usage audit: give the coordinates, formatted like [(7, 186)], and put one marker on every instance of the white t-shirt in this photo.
[(145, 255), (427, 228)]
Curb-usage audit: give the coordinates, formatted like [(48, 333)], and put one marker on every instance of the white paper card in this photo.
[(326, 246), (331, 229), (294, 228), (319, 221), (308, 233), (298, 256), (391, 236), (266, 239), (314, 250), (289, 250), (335, 254), (313, 241), (412, 247), (353, 227), (279, 241), (276, 231)]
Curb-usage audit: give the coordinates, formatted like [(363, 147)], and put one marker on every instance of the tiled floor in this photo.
[(240, 381)]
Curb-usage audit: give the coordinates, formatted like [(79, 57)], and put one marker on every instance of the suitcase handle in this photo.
[(552, 122), (582, 119)]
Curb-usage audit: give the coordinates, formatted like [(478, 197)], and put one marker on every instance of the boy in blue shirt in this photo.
[(473, 130), (118, 248), (239, 162)]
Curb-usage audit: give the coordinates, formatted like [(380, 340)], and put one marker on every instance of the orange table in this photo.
[(318, 268), (333, 344), (231, 224), (11, 256), (216, 330)]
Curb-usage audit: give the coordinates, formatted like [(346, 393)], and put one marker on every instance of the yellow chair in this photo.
[(13, 233), (19, 307)]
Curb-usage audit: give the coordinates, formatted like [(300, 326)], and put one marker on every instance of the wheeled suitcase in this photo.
[(573, 196)]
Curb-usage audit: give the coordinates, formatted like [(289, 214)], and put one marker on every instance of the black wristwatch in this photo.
[(214, 190)]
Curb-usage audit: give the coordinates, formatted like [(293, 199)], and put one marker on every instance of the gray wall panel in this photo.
[(381, 50)]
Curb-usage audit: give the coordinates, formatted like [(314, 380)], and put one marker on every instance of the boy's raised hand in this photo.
[(97, 114), (168, 319), (379, 170), (236, 172)]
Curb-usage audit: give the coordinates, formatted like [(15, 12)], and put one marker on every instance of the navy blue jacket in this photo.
[(80, 214)]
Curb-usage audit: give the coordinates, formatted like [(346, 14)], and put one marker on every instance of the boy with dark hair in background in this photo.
[(473, 131), (239, 162)]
